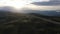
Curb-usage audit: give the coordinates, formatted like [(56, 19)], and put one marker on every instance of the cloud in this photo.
[(36, 7), (49, 3), (44, 0), (15, 3)]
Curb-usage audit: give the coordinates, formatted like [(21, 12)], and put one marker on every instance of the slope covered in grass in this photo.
[(17, 23)]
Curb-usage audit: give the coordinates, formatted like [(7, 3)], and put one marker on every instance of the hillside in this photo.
[(47, 12), (17, 23)]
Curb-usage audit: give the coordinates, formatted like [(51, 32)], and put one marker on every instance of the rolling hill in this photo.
[(20, 23)]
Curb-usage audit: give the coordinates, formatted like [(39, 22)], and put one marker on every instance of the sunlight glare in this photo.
[(14, 3)]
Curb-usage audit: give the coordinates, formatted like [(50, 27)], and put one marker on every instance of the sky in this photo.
[(46, 5), (17, 3), (14, 3), (32, 4)]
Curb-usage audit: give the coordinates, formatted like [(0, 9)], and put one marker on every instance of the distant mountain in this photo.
[(4, 10), (47, 13), (7, 8)]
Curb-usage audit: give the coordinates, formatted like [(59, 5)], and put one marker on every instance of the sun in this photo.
[(14, 3)]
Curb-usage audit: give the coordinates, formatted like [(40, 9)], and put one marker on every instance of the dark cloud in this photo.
[(51, 2)]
